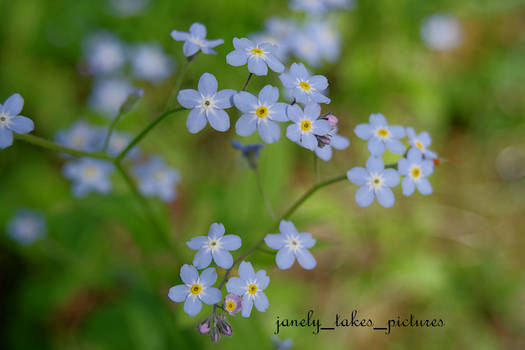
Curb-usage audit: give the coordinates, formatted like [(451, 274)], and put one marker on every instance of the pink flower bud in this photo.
[(204, 327), (332, 119)]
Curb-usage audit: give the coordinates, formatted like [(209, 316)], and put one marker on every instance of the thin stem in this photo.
[(178, 83), (41, 142), (110, 131), (247, 82), (263, 195), (146, 130)]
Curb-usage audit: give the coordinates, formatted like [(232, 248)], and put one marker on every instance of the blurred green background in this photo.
[(99, 280)]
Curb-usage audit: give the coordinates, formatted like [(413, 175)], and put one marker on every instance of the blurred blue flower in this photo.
[(157, 179), (441, 32), (215, 246), (88, 175), (312, 7), (259, 56), (421, 141), (278, 32), (108, 95), (260, 113), (291, 245), (282, 344), (207, 105), (11, 122), (306, 125), (232, 303), (80, 136), (339, 4), (118, 142), (196, 289), (127, 8), (379, 133), (374, 181), (304, 87), (249, 152), (104, 53), (250, 286), (415, 169), (26, 226), (195, 40), (150, 63)]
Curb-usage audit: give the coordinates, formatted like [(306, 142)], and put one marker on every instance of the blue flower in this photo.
[(282, 344), (249, 152), (195, 40), (11, 122), (374, 181), (260, 113), (108, 95), (207, 105), (258, 56), (416, 170), (421, 141), (442, 32), (278, 32), (157, 179), (149, 62), (379, 133), (291, 245), (80, 136), (304, 87), (26, 226), (215, 246), (196, 289), (104, 54), (306, 125), (88, 175), (118, 142), (250, 286), (312, 7)]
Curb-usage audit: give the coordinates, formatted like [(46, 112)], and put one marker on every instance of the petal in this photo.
[(208, 277), (408, 186), (219, 119), (402, 166), (410, 132), (208, 84), (397, 131), (363, 131), (339, 142), (196, 243), (178, 293), (377, 119), (375, 165), (299, 70), (309, 141), (216, 230), (246, 125), (325, 153), (269, 131), (385, 197), (319, 82), (274, 240), (268, 95), (245, 102), (231, 242), (293, 132), (427, 166), (262, 279), (284, 258), (257, 66), (376, 146), (364, 197), (13, 105), (189, 98), (246, 271), (312, 111), (198, 30), (425, 138), (261, 302), (202, 259), (6, 137), (319, 98), (224, 98), (395, 146), (307, 240), (211, 296), (242, 43), (196, 120), (414, 155), (192, 306), (189, 48), (305, 259), (247, 305), (287, 80), (21, 125), (237, 58), (294, 113), (235, 285), (424, 187), (179, 36), (274, 63), (278, 112), (287, 227), (188, 274), (209, 44), (321, 127), (222, 258), (357, 175), (391, 177)]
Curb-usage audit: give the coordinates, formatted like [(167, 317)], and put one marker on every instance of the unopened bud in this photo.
[(332, 119), (204, 326), (215, 335), (223, 326)]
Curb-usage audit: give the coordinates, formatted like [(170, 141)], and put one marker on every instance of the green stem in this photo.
[(317, 168), (110, 131), (178, 83), (261, 191), (41, 142), (247, 82)]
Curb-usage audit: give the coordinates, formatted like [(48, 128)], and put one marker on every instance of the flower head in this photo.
[(306, 125), (258, 56), (304, 87), (232, 303), (415, 169), (26, 226), (195, 40), (207, 105), (108, 95), (11, 121), (104, 53), (157, 179), (260, 113), (80, 136), (215, 246), (291, 245), (196, 289), (441, 32), (118, 142), (88, 175), (249, 152), (421, 141), (375, 182), (149, 62), (379, 134), (250, 286)]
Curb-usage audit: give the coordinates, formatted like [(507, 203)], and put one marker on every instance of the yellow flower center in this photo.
[(419, 145), (252, 288), (416, 172), (382, 132), (262, 112), (90, 172), (257, 52), (230, 305), (306, 125), (304, 85), (196, 289)]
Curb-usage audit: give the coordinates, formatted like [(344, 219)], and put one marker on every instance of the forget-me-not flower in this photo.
[(26, 226), (415, 169), (304, 87), (80, 136), (379, 134), (196, 289), (421, 141), (250, 286), (306, 125), (11, 121), (149, 62), (260, 113), (108, 95), (291, 245), (259, 56), (216, 246), (232, 303), (375, 182), (207, 104), (312, 7), (104, 53), (442, 32), (157, 179), (88, 174), (195, 40)]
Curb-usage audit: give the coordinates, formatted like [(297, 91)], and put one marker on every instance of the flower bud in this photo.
[(215, 335), (204, 326), (332, 119), (223, 326)]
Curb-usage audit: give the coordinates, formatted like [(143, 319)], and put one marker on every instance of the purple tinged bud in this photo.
[(204, 326), (223, 326), (332, 119), (215, 335)]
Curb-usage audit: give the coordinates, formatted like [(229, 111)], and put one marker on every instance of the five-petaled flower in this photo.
[(374, 181), (379, 134), (88, 175), (416, 170), (11, 122), (232, 303), (195, 40), (26, 226), (260, 113), (306, 125), (215, 246), (421, 141), (258, 56), (157, 179), (250, 286), (196, 289), (304, 87), (291, 245), (207, 105)]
